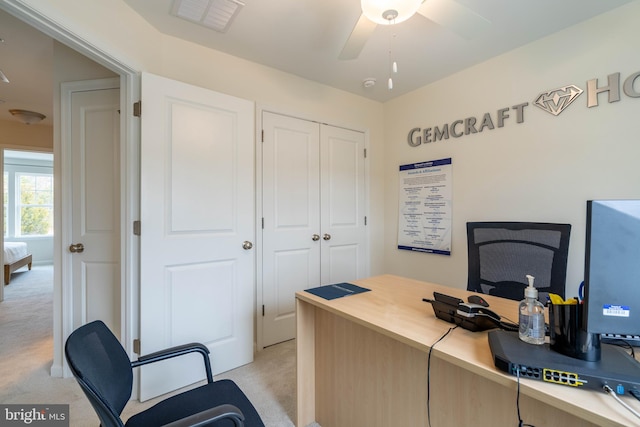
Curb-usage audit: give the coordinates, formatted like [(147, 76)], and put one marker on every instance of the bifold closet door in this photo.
[(342, 204), (291, 219), (313, 214)]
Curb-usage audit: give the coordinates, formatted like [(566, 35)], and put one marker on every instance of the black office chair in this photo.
[(501, 254), (105, 374)]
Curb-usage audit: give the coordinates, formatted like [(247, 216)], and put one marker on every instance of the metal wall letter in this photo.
[(613, 88), (628, 86)]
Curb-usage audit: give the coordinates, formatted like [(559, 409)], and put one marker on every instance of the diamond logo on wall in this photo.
[(557, 100)]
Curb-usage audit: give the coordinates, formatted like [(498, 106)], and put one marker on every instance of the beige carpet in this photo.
[(26, 348)]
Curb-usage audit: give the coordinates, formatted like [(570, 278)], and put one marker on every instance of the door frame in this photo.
[(129, 186), (261, 108)]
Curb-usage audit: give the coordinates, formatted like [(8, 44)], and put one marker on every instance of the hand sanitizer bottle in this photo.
[(531, 318)]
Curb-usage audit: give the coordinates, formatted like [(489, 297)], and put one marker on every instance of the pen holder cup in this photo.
[(567, 334)]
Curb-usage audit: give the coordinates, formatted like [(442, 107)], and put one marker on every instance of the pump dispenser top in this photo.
[(530, 291)]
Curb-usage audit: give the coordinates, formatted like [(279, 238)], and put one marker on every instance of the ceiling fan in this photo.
[(447, 13)]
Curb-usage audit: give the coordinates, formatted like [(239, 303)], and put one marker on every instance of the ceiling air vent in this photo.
[(214, 14)]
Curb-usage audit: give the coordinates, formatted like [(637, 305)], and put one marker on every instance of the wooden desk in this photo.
[(362, 361)]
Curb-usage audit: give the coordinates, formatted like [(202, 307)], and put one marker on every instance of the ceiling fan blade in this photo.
[(3, 78), (358, 38), (455, 17)]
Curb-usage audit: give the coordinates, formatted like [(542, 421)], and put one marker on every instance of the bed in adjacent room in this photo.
[(16, 255)]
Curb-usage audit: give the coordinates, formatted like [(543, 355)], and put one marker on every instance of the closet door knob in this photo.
[(315, 237), (76, 248), (247, 245), (326, 236)]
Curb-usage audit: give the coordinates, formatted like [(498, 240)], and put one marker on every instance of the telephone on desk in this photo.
[(468, 315)]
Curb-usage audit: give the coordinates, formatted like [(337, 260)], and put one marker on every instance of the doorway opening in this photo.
[(27, 307)]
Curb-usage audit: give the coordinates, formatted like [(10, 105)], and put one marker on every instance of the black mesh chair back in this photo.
[(501, 254), (105, 374), (103, 370)]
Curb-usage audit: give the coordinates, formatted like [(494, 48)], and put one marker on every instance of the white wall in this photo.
[(14, 134), (543, 169)]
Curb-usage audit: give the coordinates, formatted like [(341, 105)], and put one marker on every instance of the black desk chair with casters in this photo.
[(501, 254), (105, 374)]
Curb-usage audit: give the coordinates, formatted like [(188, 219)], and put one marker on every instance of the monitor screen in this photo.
[(612, 267)]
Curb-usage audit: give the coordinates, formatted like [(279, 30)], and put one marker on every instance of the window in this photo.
[(28, 197), (34, 204)]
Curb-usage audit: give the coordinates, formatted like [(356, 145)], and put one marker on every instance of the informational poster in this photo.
[(424, 219)]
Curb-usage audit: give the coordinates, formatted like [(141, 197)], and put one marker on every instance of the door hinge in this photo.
[(136, 228), (262, 310), (137, 109), (365, 153), (263, 223), (365, 220), (136, 346), (262, 137)]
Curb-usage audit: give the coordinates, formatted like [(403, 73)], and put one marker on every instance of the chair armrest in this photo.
[(176, 351), (211, 415)]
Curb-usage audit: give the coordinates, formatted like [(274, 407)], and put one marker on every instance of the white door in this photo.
[(197, 226), (313, 213), (94, 245), (291, 215), (344, 250)]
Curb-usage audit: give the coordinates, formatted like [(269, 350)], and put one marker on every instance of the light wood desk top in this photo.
[(394, 308)]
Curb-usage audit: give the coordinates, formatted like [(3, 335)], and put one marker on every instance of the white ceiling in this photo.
[(305, 38)]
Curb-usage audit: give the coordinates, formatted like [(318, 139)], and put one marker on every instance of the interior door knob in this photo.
[(315, 237), (76, 248), (326, 236), (246, 245)]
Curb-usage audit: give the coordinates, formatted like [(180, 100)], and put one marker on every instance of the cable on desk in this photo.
[(509, 326), (509, 320), (429, 371), (624, 344), (520, 422), (612, 393)]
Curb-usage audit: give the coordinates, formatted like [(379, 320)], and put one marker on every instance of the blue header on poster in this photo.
[(423, 165)]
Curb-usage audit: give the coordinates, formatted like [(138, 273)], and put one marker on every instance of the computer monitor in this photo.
[(612, 268)]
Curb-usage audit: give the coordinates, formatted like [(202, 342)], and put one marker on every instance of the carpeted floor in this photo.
[(26, 348)]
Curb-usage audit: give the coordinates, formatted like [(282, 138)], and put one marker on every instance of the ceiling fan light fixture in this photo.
[(27, 117), (383, 11)]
